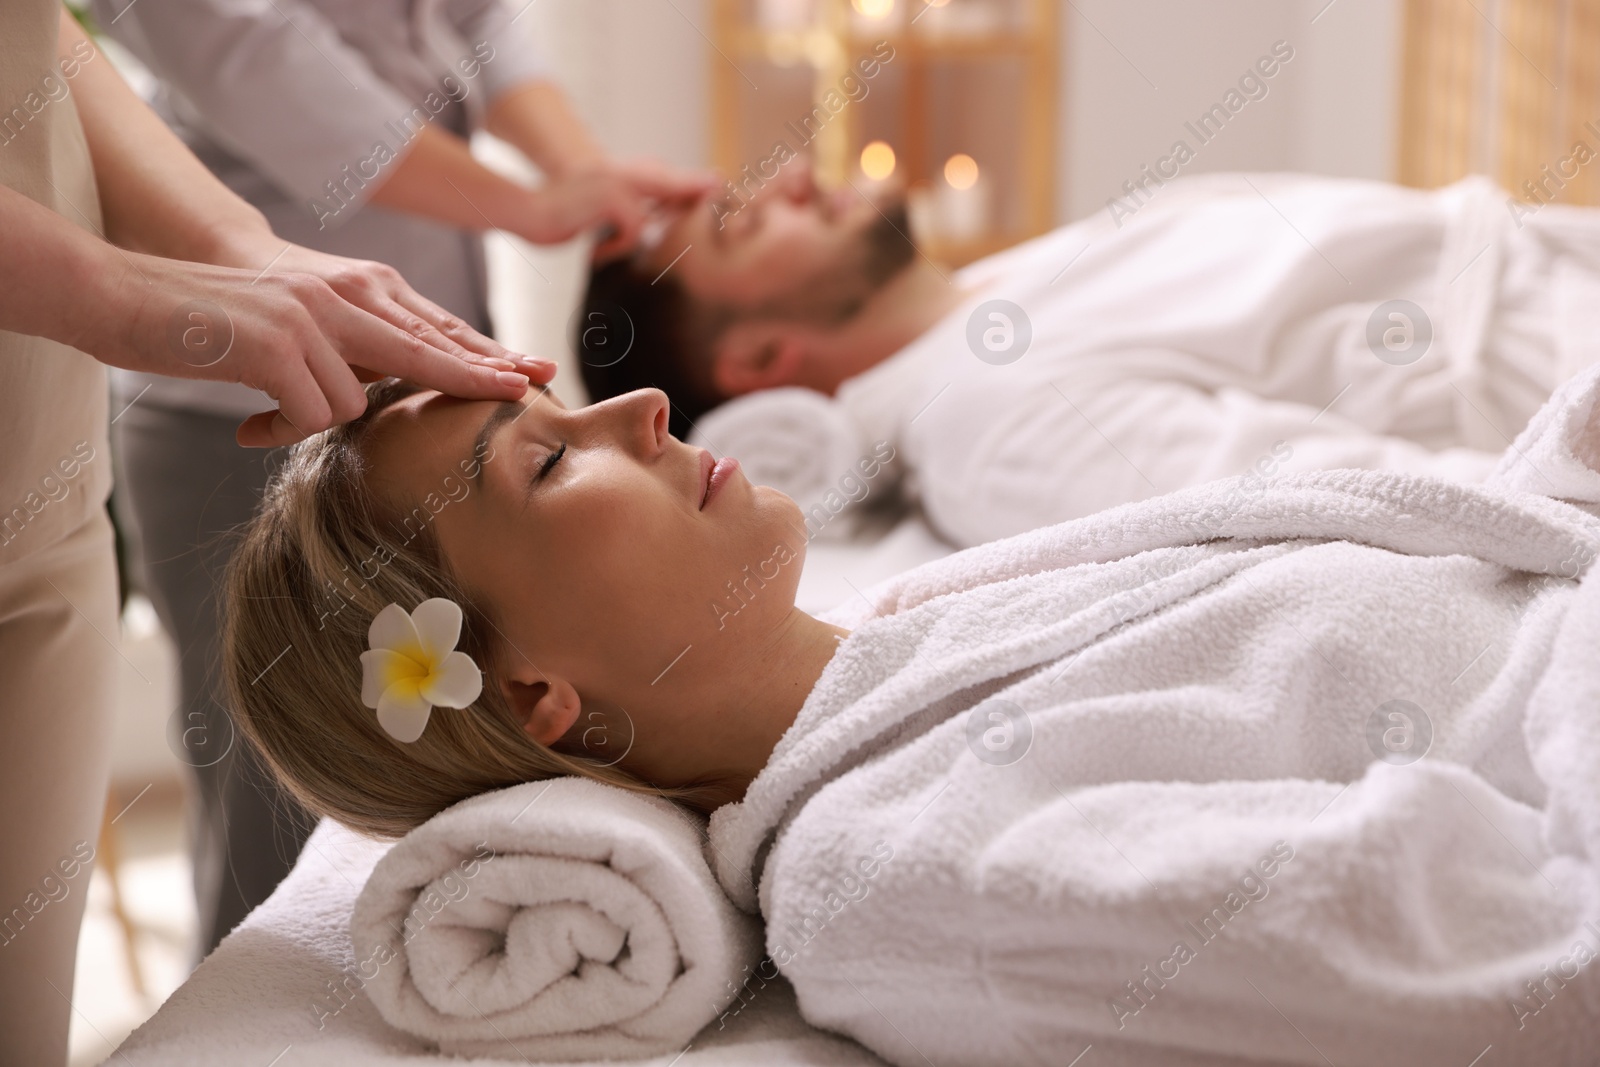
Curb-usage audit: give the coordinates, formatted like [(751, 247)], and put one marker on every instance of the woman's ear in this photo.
[(547, 709), (757, 355)]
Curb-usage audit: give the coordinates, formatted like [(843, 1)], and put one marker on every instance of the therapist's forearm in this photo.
[(50, 269), (537, 119), (155, 196), (439, 179)]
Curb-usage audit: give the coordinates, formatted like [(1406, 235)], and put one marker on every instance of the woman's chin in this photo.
[(782, 503)]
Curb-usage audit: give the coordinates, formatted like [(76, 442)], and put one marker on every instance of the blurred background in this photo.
[(1006, 118), (1011, 117)]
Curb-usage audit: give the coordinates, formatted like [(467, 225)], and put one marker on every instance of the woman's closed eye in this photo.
[(550, 462)]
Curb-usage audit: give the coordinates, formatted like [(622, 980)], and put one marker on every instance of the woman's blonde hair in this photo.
[(310, 571)]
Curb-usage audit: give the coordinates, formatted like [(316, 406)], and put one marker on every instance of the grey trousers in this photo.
[(185, 484)]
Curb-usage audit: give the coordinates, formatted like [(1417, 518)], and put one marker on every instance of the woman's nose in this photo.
[(645, 415)]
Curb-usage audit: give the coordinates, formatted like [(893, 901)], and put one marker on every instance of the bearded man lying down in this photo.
[(1233, 325)]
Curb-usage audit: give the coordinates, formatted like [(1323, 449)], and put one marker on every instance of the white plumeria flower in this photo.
[(413, 667)]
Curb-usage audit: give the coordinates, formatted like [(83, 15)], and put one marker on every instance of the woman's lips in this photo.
[(717, 473), (708, 463)]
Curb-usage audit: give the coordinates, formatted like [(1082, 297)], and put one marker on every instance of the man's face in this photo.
[(790, 248)]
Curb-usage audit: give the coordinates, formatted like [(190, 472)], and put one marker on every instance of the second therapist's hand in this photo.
[(303, 327), (618, 196)]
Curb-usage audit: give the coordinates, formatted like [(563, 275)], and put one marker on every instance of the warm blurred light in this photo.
[(785, 49), (877, 160), (961, 171), (873, 9)]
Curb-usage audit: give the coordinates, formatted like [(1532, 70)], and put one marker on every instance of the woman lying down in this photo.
[(1301, 776)]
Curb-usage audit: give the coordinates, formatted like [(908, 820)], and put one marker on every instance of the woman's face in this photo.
[(589, 537)]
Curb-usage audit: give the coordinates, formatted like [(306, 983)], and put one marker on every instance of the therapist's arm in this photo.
[(529, 111), (295, 326), (276, 84), (161, 201), (537, 118), (439, 178)]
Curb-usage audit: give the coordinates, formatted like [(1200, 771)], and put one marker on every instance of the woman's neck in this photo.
[(785, 673), (718, 727)]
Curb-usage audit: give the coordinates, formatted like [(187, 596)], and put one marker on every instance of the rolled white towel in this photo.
[(564, 919), (795, 440)]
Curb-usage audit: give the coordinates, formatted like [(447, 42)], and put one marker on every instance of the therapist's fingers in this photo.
[(339, 384), (303, 336), (626, 216), (325, 390), (268, 429), (317, 384), (310, 398), (477, 348), (360, 320), (374, 343), (413, 323), (658, 181), (379, 289)]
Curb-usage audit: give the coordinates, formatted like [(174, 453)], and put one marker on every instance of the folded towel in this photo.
[(795, 440), (552, 920)]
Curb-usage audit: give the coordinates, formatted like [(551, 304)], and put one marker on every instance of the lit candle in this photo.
[(876, 170), (963, 200), (922, 212), (874, 16), (877, 160)]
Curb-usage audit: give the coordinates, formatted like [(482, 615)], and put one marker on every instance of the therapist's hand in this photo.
[(193, 283), (619, 196), (306, 331), (378, 289)]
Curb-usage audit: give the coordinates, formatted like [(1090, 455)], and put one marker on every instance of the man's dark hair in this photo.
[(638, 328), (635, 330)]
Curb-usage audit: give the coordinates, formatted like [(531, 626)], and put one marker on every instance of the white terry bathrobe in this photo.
[(1223, 329), (1307, 776)]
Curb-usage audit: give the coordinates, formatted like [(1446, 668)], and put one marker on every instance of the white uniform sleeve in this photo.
[(994, 466), (506, 28), (272, 79)]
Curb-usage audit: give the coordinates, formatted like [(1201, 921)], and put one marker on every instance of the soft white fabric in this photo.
[(1208, 679), (1558, 455), (286, 986), (1222, 330), (571, 918), (795, 440)]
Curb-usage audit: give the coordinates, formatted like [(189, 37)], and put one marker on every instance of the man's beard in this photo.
[(887, 246), (877, 254)]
